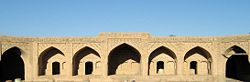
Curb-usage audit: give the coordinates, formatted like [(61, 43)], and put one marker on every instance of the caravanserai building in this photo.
[(125, 57)]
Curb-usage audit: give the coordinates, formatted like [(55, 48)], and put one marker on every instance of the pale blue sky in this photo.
[(158, 17)]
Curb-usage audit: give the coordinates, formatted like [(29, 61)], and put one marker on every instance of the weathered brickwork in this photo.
[(125, 57)]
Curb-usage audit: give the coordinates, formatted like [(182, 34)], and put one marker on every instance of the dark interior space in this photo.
[(238, 67), (193, 65), (237, 49), (55, 68), (160, 65), (88, 68), (11, 65), (121, 54)]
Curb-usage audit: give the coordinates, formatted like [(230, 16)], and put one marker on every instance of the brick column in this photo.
[(180, 63), (35, 56), (144, 66), (28, 62), (68, 59)]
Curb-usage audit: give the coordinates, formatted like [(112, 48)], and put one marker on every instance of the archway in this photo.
[(81, 59), (45, 60), (124, 60), (237, 65), (55, 68), (167, 57), (11, 65), (88, 68), (160, 66), (193, 66), (197, 61)]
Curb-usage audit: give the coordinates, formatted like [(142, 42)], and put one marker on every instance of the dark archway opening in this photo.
[(160, 65), (120, 55), (238, 67), (193, 65), (11, 65), (88, 68), (55, 68)]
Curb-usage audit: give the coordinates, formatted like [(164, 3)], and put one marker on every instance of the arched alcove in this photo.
[(237, 65), (124, 59), (83, 56), (11, 65), (43, 60), (203, 61), (162, 54)]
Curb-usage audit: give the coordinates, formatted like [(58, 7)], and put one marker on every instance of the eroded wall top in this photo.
[(145, 36)]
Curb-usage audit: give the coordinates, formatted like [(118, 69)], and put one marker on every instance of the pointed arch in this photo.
[(86, 49), (198, 50), (125, 45), (45, 56), (203, 59), (14, 49), (162, 49), (234, 50), (120, 57), (80, 54), (12, 65), (163, 54)]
